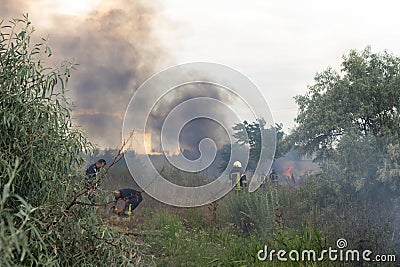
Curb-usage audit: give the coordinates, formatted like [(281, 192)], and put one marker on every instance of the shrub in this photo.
[(39, 169)]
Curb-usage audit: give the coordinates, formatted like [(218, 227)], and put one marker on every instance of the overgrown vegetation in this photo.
[(39, 166), (350, 121)]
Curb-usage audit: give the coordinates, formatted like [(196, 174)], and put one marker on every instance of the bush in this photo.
[(251, 212), (41, 222)]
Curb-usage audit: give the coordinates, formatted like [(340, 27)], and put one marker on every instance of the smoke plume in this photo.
[(116, 49)]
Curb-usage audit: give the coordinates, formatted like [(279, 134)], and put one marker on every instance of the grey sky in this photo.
[(280, 45)]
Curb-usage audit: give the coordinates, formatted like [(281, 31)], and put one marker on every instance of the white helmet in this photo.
[(237, 164)]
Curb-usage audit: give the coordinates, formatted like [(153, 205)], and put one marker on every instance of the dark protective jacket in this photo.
[(132, 199), (243, 180), (273, 176), (128, 193), (91, 173), (92, 170)]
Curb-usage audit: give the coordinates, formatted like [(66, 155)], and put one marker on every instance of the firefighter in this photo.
[(91, 173), (236, 176), (273, 176), (243, 181), (93, 170), (238, 179), (132, 199)]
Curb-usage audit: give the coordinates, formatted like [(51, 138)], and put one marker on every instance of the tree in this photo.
[(351, 117), (249, 134), (224, 154), (39, 166), (350, 120), (389, 172), (35, 125), (363, 99)]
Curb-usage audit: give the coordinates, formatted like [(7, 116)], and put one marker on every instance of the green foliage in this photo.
[(249, 134), (389, 172), (362, 99), (320, 205), (310, 239), (332, 206), (355, 162), (239, 150), (39, 167), (312, 217), (35, 116), (252, 212), (350, 120), (174, 245), (21, 239)]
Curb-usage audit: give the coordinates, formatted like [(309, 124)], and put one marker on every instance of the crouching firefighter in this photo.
[(132, 199)]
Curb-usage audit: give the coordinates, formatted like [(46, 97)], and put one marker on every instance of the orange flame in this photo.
[(289, 170)]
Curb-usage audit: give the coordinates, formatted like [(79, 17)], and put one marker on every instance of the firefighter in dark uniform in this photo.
[(273, 176), (132, 199), (91, 174), (243, 181)]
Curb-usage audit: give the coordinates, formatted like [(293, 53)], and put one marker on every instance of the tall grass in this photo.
[(310, 216)]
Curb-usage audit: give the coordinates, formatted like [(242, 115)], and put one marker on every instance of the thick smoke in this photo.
[(194, 131), (116, 50)]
